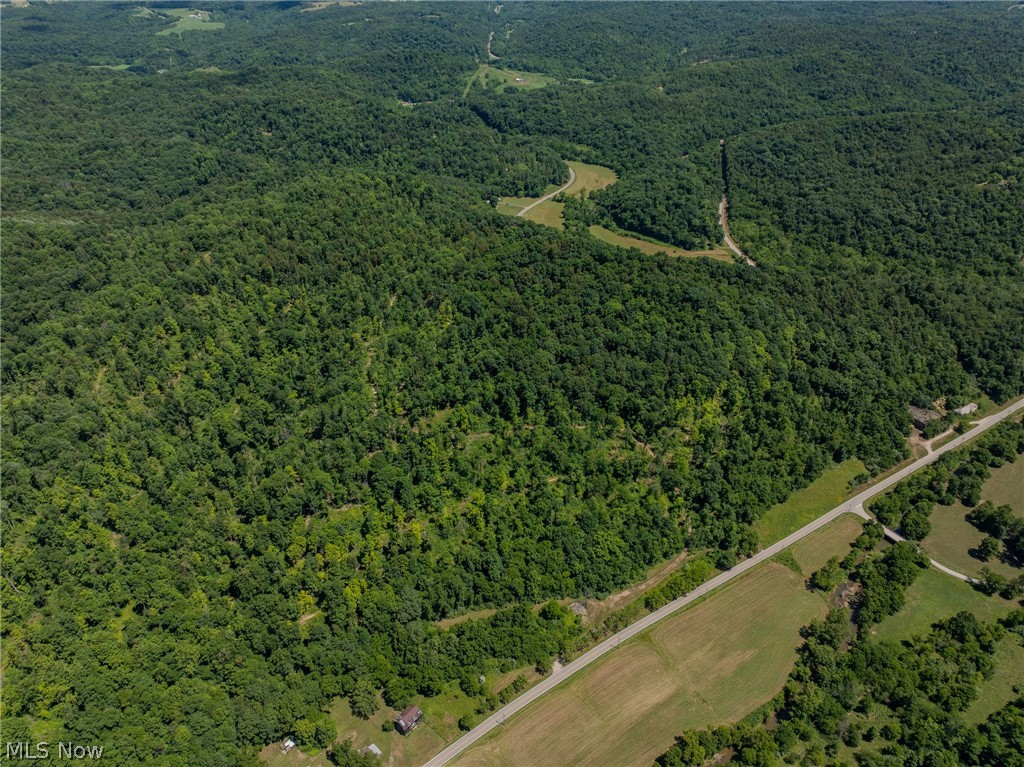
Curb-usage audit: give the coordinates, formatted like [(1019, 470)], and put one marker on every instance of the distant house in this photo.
[(408, 719), (287, 745), (922, 417), (970, 407)]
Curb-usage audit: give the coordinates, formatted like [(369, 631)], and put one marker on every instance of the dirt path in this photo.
[(490, 56), (723, 219), (545, 198)]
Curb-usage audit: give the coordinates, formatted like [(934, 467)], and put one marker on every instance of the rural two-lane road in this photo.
[(853, 505), (545, 198)]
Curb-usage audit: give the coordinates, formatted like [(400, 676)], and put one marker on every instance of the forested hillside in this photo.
[(281, 388)]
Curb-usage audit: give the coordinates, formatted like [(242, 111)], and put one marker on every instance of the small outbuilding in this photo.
[(406, 721), (287, 745), (371, 749), (967, 409)]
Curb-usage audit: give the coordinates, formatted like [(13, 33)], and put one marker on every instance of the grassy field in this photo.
[(713, 662), (806, 505), (998, 691), (650, 248), (502, 79), (440, 727), (935, 596), (952, 536), (115, 67), (322, 5), (589, 178), (548, 213), (188, 19)]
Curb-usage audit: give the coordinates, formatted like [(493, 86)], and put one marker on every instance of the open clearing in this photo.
[(651, 248), (952, 536), (998, 691), (440, 726), (713, 662), (935, 596), (824, 493), (188, 19), (502, 79), (590, 178), (321, 6)]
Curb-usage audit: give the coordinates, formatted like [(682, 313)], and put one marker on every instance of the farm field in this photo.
[(952, 536), (502, 79), (711, 663), (188, 19), (805, 505), (935, 596)]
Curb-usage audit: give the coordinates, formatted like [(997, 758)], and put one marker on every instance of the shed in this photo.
[(408, 719), (287, 745), (970, 407)]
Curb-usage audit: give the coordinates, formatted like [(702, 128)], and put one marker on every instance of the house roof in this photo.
[(410, 716)]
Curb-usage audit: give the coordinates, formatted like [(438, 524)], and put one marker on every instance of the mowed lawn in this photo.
[(713, 662), (805, 505), (952, 536), (439, 727)]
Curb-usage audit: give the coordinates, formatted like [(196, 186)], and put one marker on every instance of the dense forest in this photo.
[(281, 389)]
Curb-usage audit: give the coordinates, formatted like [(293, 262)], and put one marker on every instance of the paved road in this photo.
[(723, 219), (854, 505), (545, 198)]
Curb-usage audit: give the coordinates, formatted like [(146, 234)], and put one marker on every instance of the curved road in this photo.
[(853, 505), (545, 198)]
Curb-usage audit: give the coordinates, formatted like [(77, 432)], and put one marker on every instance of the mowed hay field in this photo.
[(590, 178), (952, 536), (712, 663)]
